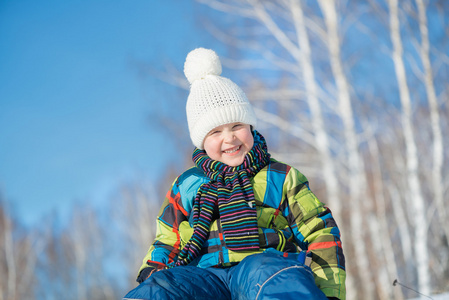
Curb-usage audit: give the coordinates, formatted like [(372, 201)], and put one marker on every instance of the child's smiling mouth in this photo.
[(232, 150)]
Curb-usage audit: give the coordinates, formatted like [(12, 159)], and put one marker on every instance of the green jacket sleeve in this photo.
[(172, 232), (316, 231)]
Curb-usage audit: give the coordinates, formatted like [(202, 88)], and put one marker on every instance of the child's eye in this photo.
[(237, 126)]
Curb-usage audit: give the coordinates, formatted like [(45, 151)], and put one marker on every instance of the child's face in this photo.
[(229, 143)]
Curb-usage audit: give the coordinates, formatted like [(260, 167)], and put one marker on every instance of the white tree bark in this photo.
[(415, 194), (384, 245), (352, 155), (398, 205), (438, 154), (311, 87)]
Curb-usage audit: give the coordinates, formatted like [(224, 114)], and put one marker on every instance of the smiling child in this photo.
[(239, 224)]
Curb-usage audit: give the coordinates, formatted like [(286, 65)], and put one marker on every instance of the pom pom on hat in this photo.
[(200, 63), (213, 100)]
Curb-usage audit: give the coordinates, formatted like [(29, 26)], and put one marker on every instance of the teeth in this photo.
[(232, 151)]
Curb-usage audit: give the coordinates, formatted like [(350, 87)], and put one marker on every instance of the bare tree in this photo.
[(19, 249), (135, 212), (385, 246), (73, 265), (352, 157), (438, 155), (415, 194)]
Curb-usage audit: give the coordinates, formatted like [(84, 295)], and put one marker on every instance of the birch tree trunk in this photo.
[(415, 194), (352, 154), (321, 138), (438, 155), (386, 249), (398, 205)]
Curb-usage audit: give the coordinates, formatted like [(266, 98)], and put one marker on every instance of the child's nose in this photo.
[(229, 136)]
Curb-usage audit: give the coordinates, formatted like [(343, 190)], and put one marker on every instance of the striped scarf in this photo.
[(230, 189)]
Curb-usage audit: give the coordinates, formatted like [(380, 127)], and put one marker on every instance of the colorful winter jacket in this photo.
[(288, 214)]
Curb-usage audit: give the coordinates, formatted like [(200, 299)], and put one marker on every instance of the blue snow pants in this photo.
[(268, 275)]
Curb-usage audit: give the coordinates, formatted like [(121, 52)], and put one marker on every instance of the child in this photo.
[(230, 227)]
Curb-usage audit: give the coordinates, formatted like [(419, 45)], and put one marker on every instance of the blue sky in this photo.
[(73, 109)]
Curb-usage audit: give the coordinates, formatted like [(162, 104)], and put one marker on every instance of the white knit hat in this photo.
[(213, 100)]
